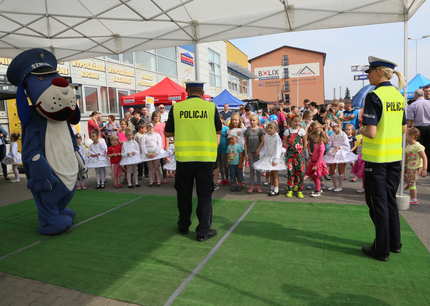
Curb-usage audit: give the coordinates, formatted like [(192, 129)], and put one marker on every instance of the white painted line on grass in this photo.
[(200, 266), (107, 211), (73, 226), (20, 250)]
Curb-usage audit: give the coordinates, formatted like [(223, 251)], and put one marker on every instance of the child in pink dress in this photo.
[(317, 167)]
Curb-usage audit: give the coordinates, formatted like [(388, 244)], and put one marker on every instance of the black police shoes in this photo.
[(202, 237), (183, 231), (369, 252)]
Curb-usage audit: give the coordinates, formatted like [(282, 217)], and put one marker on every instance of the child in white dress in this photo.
[(271, 156), (14, 157), (170, 165), (338, 155), (130, 157), (97, 158), (152, 151)]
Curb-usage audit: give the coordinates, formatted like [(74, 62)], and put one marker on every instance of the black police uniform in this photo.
[(186, 174), (381, 181)]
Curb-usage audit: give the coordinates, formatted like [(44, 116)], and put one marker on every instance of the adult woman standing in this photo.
[(94, 123), (383, 124)]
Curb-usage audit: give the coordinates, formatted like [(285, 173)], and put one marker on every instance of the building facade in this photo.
[(101, 82), (239, 75), (289, 74)]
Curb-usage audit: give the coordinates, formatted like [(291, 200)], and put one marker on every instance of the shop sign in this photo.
[(121, 71), (187, 58), (268, 73), (90, 65), (360, 77), (88, 72), (304, 70), (146, 80)]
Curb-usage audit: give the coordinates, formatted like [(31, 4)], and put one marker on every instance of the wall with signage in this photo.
[(186, 72), (88, 72)]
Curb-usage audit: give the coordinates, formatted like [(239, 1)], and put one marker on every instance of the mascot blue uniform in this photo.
[(49, 150)]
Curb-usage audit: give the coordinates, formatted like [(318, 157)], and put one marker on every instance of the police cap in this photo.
[(379, 62), (35, 61)]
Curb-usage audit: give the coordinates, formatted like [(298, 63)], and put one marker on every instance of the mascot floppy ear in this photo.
[(22, 105)]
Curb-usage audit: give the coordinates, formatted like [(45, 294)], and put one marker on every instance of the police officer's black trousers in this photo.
[(186, 174), (425, 139), (2, 155), (381, 182)]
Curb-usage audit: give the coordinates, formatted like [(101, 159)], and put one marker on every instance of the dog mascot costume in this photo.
[(49, 149)]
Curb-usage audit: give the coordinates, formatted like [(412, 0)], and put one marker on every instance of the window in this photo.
[(285, 60), (167, 52), (244, 87), (287, 98), (114, 57), (113, 100), (145, 60), (2, 106), (103, 102), (79, 98), (286, 73), (166, 66), (91, 99), (122, 93), (286, 86), (127, 58), (214, 69)]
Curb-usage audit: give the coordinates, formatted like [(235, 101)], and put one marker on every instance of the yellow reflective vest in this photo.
[(387, 145), (195, 134)]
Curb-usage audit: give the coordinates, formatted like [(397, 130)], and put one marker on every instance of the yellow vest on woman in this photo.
[(195, 134), (387, 145)]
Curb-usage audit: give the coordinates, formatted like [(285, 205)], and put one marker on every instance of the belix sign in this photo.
[(268, 73)]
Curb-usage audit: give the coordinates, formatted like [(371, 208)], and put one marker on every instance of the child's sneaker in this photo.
[(338, 189), (316, 194), (289, 194), (361, 190), (300, 195), (413, 202)]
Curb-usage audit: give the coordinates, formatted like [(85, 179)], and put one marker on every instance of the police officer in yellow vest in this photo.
[(195, 124), (383, 125)]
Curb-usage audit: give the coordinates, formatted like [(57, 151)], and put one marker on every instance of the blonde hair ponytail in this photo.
[(388, 73), (401, 77)]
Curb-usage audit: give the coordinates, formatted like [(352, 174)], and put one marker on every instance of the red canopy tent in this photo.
[(163, 92)]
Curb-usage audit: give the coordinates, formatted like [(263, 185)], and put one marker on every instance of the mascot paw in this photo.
[(59, 225), (68, 212)]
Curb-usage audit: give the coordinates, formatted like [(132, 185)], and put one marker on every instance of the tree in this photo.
[(347, 94)]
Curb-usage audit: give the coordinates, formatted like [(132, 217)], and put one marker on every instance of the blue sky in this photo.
[(352, 46)]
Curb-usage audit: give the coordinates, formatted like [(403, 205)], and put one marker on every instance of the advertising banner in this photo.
[(268, 73), (304, 70)]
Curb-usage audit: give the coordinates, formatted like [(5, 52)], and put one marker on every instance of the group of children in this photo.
[(127, 153), (305, 149)]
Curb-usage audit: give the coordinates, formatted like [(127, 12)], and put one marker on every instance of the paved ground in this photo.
[(19, 291)]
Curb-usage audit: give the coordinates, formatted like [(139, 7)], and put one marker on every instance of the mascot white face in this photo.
[(53, 97)]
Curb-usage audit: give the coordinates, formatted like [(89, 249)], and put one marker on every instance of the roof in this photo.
[(85, 29), (291, 47)]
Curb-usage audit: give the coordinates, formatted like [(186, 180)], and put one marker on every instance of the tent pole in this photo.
[(196, 50), (405, 69)]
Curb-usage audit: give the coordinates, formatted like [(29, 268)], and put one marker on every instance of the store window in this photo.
[(214, 69), (103, 102), (122, 93), (113, 100), (91, 99)]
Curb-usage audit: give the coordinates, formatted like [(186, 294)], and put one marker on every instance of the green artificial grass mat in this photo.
[(309, 254), (18, 222), (132, 254)]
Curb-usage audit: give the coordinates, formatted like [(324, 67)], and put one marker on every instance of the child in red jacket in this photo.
[(114, 153)]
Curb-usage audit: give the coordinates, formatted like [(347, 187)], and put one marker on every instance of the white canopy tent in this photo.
[(73, 29), (82, 29)]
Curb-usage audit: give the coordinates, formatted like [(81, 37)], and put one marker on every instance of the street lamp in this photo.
[(416, 49)]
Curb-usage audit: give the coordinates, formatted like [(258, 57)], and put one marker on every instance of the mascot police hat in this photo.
[(35, 61)]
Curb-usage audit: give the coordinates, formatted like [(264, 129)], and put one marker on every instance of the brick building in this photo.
[(289, 74)]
